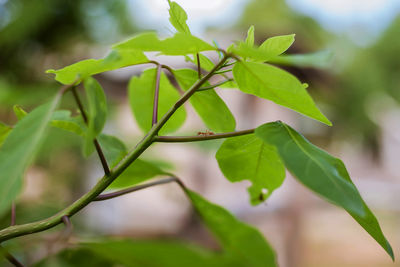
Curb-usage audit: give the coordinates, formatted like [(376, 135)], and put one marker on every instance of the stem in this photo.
[(214, 85), (223, 71), (95, 142), (106, 180), (156, 94), (134, 188), (198, 65), (10, 257), (68, 225), (196, 138), (13, 214)]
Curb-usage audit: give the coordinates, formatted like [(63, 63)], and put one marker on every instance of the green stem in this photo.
[(214, 85), (196, 138), (105, 181), (134, 189)]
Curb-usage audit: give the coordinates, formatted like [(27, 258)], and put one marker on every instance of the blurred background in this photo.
[(359, 91)]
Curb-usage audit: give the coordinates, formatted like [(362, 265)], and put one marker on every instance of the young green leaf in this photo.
[(19, 112), (320, 59), (137, 172), (177, 45), (277, 45), (239, 240), (210, 107), (85, 68), (249, 158), (19, 149), (271, 48), (62, 119), (96, 112), (277, 85), (113, 148), (178, 17), (250, 36), (325, 175), (141, 98), (4, 132)]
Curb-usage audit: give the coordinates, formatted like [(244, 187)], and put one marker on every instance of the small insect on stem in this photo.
[(206, 133)]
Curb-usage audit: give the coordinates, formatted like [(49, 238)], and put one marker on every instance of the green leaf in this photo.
[(96, 112), (4, 132), (155, 253), (179, 44), (79, 71), (277, 45), (18, 151), (113, 148), (250, 36), (239, 240), (249, 158), (178, 17), (271, 48), (320, 59), (210, 107), (205, 62), (139, 171), (277, 85), (141, 98), (62, 119), (325, 175), (19, 112), (74, 257)]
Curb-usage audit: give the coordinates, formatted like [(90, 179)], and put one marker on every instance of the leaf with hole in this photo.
[(249, 158)]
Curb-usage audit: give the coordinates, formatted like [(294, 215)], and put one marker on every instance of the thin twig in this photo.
[(68, 226), (198, 65), (136, 188), (196, 138), (156, 95), (10, 257), (95, 142), (13, 214), (223, 71), (214, 85)]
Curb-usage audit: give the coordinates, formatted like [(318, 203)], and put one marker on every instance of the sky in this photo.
[(361, 20)]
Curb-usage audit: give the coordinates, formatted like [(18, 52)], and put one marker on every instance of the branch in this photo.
[(196, 138), (95, 142), (10, 257), (198, 65), (106, 180), (137, 188), (156, 94), (13, 215)]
